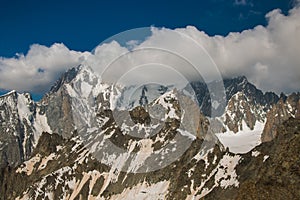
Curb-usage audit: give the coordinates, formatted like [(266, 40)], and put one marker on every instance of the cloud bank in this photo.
[(268, 56), (38, 69)]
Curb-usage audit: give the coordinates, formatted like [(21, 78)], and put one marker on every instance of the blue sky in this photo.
[(41, 39), (82, 25)]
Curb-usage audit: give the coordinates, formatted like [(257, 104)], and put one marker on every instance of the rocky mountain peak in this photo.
[(66, 77), (242, 113), (233, 86), (73, 94), (241, 81), (11, 93)]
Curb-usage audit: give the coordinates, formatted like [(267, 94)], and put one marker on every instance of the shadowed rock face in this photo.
[(59, 112), (283, 110), (140, 115)]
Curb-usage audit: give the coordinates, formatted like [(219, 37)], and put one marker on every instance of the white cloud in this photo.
[(38, 69), (268, 56), (103, 55)]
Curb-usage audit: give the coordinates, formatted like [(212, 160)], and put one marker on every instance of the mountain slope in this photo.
[(271, 170)]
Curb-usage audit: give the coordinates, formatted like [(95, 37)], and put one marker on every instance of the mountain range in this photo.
[(86, 139)]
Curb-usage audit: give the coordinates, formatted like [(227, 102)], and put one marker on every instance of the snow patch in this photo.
[(28, 166), (228, 170), (23, 109), (242, 141), (224, 176), (144, 191), (265, 158), (164, 101), (187, 134), (145, 151), (40, 125), (86, 89), (46, 160), (79, 184), (255, 153)]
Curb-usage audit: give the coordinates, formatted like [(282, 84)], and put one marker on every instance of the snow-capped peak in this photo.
[(9, 93), (169, 101), (242, 113)]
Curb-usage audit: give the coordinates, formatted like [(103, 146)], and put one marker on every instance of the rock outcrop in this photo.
[(242, 111), (282, 111)]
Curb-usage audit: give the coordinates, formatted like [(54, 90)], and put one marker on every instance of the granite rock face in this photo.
[(17, 131), (283, 110)]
